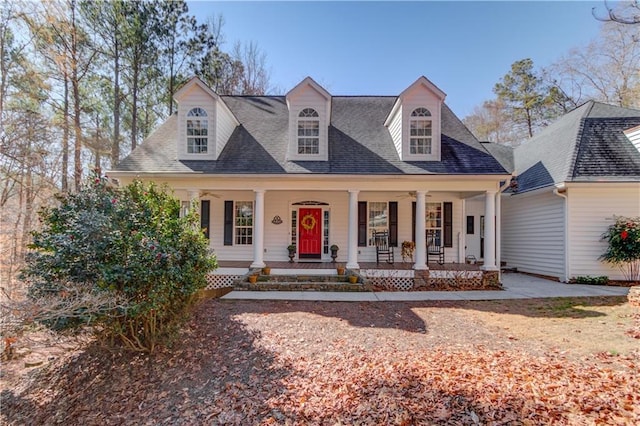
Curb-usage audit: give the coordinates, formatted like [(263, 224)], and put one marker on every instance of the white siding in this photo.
[(395, 130), (533, 233), (475, 208), (634, 136), (591, 211), (225, 125), (308, 97), (196, 97)]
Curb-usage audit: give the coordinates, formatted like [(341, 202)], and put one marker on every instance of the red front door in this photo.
[(310, 233)]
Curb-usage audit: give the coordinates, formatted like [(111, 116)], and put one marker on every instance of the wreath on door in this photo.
[(308, 222)]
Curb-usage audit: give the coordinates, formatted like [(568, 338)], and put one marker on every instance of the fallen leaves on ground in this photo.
[(244, 363)]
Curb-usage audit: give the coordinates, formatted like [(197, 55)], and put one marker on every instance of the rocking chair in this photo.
[(383, 250), (434, 247)]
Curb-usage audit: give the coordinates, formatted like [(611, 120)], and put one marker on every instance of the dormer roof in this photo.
[(184, 91), (304, 85), (422, 82)]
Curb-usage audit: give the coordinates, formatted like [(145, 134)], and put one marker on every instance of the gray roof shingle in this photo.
[(359, 143), (585, 144)]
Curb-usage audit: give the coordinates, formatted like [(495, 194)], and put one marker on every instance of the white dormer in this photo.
[(205, 123), (309, 116), (633, 135), (414, 122)]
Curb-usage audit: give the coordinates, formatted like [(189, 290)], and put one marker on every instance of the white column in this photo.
[(490, 231), (194, 198), (421, 236), (258, 230), (352, 253), (498, 231)]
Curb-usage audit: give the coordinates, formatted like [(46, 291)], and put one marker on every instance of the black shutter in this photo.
[(413, 221), (362, 223), (448, 224), (204, 216), (393, 223), (228, 223)]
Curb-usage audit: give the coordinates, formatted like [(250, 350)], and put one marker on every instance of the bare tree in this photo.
[(627, 13), (255, 77), (605, 70)]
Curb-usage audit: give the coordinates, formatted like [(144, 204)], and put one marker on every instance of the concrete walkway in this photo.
[(516, 286)]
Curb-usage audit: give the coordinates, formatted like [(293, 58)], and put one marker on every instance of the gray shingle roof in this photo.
[(586, 144), (358, 143), (502, 153)]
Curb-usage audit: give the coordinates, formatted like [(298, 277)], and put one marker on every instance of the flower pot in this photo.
[(253, 279), (266, 270), (340, 271), (353, 279)]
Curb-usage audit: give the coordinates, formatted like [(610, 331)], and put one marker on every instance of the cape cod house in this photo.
[(314, 170), (573, 177)]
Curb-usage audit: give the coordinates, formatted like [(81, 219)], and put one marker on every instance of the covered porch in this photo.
[(371, 276)]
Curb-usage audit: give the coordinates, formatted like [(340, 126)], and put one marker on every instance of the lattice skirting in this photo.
[(390, 280), (406, 280), (220, 281)]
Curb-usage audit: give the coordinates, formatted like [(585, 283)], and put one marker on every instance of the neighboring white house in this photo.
[(573, 177), (312, 169)]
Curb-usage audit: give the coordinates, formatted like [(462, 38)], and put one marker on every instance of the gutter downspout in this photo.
[(499, 227), (560, 191)]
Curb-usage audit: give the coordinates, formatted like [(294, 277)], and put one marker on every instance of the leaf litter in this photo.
[(298, 363)]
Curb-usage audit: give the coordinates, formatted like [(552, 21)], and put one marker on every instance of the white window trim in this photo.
[(370, 229), (323, 143), (427, 224), (435, 118), (236, 226), (200, 119)]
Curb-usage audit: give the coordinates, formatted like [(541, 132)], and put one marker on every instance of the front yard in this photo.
[(561, 361)]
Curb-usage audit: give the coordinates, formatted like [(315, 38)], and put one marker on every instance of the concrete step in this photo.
[(303, 278), (300, 286)]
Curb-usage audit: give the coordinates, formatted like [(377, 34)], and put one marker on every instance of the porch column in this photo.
[(258, 230), (499, 231), (352, 253), (490, 231), (421, 236), (194, 198)]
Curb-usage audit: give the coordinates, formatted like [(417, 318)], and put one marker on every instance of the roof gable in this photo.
[(584, 144), (194, 84)]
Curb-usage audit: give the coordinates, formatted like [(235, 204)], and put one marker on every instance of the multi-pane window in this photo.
[(420, 131), (378, 218), (433, 222), (325, 230), (197, 131), (294, 227), (184, 208), (308, 132), (244, 222)]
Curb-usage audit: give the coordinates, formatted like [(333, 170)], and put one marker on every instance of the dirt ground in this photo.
[(561, 361)]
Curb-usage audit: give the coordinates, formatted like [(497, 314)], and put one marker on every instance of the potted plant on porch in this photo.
[(334, 252), (292, 252), (353, 279), (340, 269)]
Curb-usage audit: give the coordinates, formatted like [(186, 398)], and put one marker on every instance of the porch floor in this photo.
[(363, 265)]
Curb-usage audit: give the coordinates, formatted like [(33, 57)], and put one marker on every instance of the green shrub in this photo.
[(601, 280), (624, 246), (122, 259)]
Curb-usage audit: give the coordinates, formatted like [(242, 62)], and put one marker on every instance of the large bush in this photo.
[(624, 246), (121, 259)]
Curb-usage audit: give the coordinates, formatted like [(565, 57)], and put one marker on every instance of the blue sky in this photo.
[(380, 48)]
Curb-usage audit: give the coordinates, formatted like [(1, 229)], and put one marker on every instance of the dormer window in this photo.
[(420, 131), (308, 131), (197, 131)]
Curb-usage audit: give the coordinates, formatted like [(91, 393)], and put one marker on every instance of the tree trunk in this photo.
[(65, 137), (115, 144), (134, 108)]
